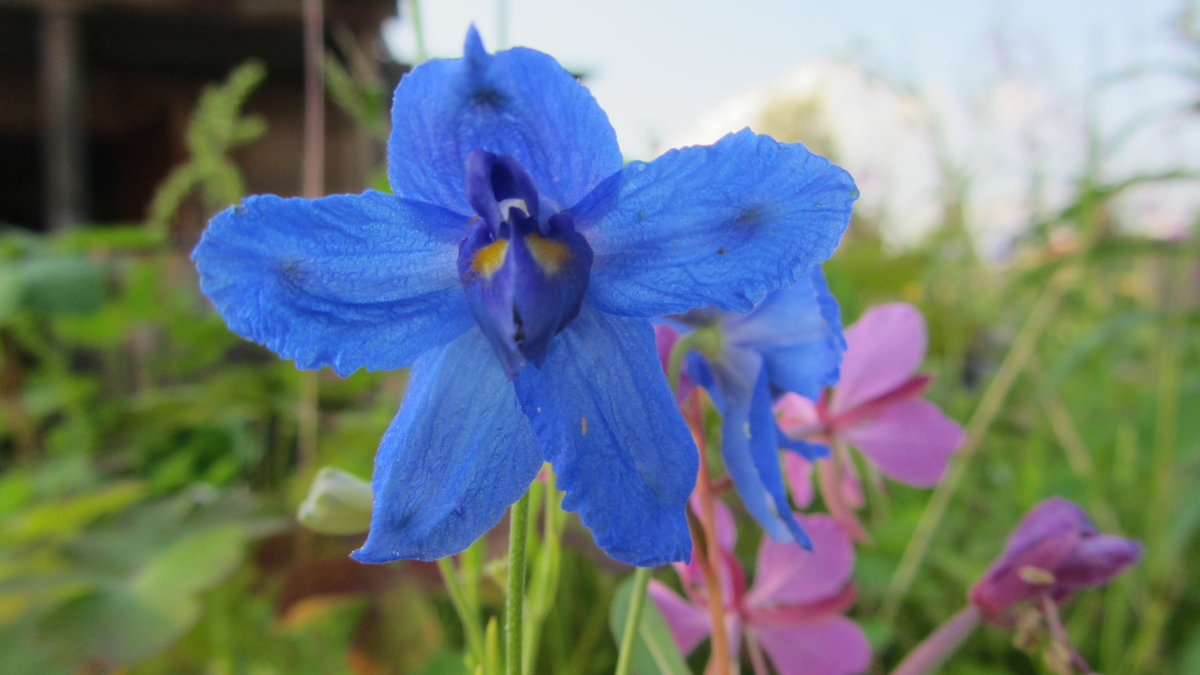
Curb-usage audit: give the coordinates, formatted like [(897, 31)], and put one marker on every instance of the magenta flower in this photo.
[(876, 407), (793, 611), (1054, 552)]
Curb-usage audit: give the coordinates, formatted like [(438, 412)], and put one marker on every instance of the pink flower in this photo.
[(1054, 552), (793, 611), (876, 407)]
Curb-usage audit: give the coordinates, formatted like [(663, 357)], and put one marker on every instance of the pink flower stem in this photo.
[(1059, 632), (831, 477), (710, 562), (940, 644), (757, 660)]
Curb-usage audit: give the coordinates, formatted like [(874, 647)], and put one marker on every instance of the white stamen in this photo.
[(508, 205)]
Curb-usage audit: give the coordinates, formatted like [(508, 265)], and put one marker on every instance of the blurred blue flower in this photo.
[(791, 342), (514, 269)]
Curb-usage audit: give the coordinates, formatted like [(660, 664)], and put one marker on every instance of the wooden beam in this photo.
[(62, 117)]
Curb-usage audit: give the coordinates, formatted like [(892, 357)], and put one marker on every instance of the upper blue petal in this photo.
[(712, 225), (348, 281), (454, 458), (750, 439), (518, 102), (608, 423), (798, 332)]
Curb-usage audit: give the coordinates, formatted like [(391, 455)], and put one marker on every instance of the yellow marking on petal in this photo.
[(549, 255), (746, 430), (1035, 576), (489, 258), (583, 425)]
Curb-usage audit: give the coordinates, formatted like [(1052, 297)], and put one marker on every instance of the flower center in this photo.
[(524, 275)]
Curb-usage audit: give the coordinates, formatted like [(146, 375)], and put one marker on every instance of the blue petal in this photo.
[(715, 225), (518, 102), (810, 451), (608, 423), (798, 331), (348, 281), (750, 440), (454, 458)]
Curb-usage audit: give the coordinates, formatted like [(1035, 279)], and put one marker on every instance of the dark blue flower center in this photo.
[(524, 275)]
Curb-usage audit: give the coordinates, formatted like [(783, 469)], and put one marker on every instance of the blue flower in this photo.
[(792, 341), (514, 269)]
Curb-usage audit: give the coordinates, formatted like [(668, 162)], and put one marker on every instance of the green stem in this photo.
[(706, 340), (641, 579), (418, 30), (469, 619), (989, 407), (544, 579), (514, 606)]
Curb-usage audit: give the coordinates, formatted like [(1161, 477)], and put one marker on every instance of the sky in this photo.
[(1012, 84), (656, 66)]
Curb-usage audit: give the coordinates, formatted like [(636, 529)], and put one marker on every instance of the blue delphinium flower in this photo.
[(514, 269), (791, 342)]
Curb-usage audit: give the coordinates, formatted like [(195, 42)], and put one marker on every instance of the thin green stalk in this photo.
[(518, 535), (418, 30), (492, 647), (544, 580), (989, 407), (470, 572), (1165, 569), (641, 579), (469, 619)]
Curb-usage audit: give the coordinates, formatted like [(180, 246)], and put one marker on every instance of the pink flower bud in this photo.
[(1055, 551)]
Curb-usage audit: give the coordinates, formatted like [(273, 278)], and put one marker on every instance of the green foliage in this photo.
[(364, 100), (217, 127), (654, 651)]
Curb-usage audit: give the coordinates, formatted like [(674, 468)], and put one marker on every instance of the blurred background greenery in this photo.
[(151, 461)]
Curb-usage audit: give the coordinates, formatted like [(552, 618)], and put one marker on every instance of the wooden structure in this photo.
[(95, 96)]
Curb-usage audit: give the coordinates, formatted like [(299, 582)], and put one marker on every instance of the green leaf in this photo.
[(62, 285), (190, 565), (655, 650), (446, 663), (112, 628), (64, 518)]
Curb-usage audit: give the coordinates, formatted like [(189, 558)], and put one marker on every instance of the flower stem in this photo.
[(831, 476), (935, 649), (418, 30), (1059, 633), (469, 619), (514, 606), (633, 618), (711, 560), (757, 660), (990, 403)]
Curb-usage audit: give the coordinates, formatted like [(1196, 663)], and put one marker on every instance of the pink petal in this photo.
[(910, 441), (798, 471), (796, 414), (884, 348), (790, 575), (835, 646), (1051, 517), (689, 624)]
